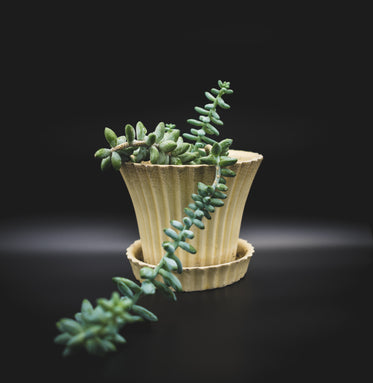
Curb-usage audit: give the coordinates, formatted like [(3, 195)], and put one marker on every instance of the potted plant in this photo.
[(176, 187)]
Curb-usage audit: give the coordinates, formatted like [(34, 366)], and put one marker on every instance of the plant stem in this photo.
[(125, 145), (217, 174)]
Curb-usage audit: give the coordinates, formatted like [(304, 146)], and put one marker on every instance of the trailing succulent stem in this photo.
[(97, 328)]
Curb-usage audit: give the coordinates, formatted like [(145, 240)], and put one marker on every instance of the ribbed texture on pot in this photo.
[(204, 277), (161, 192)]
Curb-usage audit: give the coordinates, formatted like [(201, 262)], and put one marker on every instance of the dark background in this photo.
[(300, 78)]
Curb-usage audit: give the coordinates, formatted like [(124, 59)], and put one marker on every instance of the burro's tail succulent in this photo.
[(96, 329)]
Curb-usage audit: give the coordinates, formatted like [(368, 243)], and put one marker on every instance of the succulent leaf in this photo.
[(111, 137)]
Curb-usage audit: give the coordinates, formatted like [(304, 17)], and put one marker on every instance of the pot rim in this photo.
[(246, 246), (254, 157)]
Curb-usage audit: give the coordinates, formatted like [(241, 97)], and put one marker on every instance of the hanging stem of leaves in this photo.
[(97, 329)]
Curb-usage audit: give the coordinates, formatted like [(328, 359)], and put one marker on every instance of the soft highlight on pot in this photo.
[(159, 192)]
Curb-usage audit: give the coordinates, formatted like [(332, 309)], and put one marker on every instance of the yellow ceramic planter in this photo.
[(161, 192), (200, 278)]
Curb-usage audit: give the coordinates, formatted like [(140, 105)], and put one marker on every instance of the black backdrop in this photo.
[(301, 99), (299, 81)]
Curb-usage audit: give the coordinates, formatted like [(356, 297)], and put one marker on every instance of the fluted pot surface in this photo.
[(161, 192)]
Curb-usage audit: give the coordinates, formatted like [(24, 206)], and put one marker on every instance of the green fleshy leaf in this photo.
[(222, 187), (202, 189), (217, 121), (154, 155), (222, 103), (209, 96), (172, 135), (216, 202), (172, 234), (181, 148), (175, 161), (116, 161), (168, 247), (130, 133), (188, 157), (69, 325), (144, 313), (170, 264), (189, 212), (209, 208), (124, 289), (147, 272), (140, 154), (148, 287), (225, 144), (196, 197), (190, 137), (208, 140), (170, 126), (171, 279), (176, 224), (201, 110), (216, 149), (199, 223), (178, 262), (131, 284), (167, 146), (194, 122), (163, 159), (187, 247), (140, 131), (215, 114), (227, 161), (165, 290), (150, 140), (129, 318), (194, 131), (87, 307), (219, 194), (206, 214), (228, 173), (199, 214), (121, 140), (188, 234), (117, 338), (160, 131), (204, 119), (111, 137), (102, 153), (187, 222), (208, 160), (199, 204), (210, 129)]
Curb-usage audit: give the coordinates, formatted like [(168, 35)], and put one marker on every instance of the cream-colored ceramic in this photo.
[(161, 192), (200, 278)]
